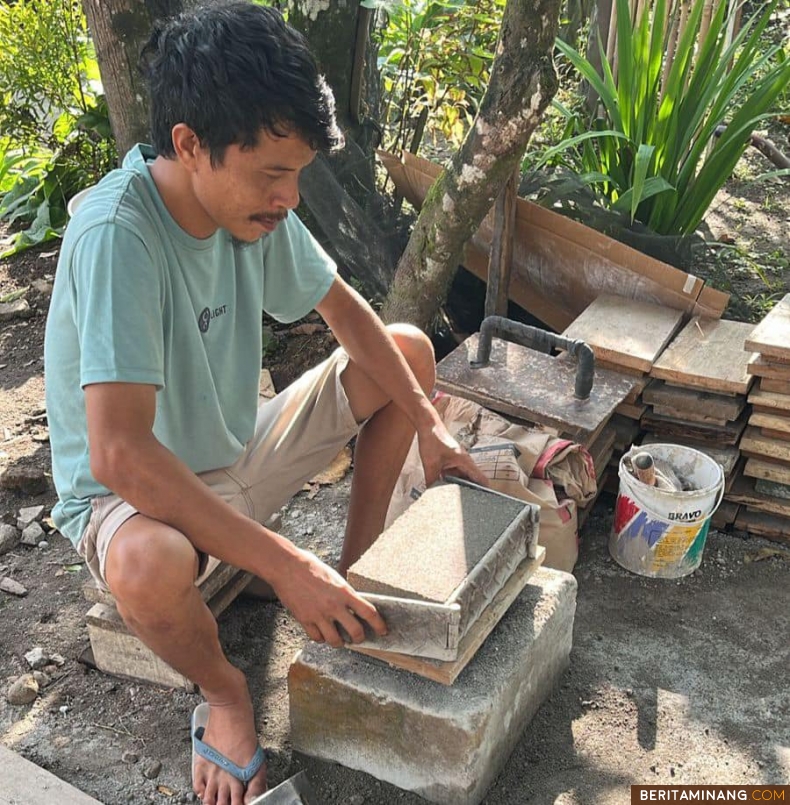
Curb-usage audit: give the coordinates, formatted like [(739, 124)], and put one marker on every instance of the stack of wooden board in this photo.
[(764, 490), (627, 336), (698, 394)]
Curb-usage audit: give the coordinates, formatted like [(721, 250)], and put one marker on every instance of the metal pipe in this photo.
[(540, 340)]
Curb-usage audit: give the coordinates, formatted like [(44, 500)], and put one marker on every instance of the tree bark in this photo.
[(119, 29), (339, 33), (523, 81)]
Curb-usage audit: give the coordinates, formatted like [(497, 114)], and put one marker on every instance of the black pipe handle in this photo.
[(540, 340)]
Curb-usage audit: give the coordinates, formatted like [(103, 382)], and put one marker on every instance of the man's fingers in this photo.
[(367, 612), (330, 633), (352, 626), (313, 632)]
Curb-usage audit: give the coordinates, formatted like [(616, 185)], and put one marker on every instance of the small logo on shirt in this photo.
[(206, 315)]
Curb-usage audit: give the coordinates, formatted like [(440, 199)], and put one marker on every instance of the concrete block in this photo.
[(433, 546), (446, 744)]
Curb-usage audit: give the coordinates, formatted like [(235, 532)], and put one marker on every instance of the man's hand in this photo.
[(442, 455), (320, 599)]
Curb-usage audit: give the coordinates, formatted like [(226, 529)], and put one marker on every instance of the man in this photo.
[(153, 357)]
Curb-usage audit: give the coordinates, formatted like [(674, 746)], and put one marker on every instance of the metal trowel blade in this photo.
[(295, 790)]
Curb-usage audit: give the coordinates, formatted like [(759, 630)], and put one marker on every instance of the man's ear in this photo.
[(186, 145)]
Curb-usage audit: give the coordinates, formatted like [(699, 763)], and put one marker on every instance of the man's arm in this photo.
[(363, 336), (127, 458)]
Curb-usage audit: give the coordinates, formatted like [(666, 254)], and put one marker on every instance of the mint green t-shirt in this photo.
[(138, 300)]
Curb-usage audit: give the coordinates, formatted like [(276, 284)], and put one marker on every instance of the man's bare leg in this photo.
[(382, 444), (151, 570)]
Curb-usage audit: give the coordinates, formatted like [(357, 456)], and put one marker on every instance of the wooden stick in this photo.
[(707, 13), (669, 52), (611, 39), (501, 257), (685, 10), (644, 468)]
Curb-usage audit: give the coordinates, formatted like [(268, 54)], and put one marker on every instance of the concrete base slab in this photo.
[(23, 782), (446, 744)]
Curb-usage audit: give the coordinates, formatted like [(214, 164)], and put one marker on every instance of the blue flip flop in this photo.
[(199, 748)]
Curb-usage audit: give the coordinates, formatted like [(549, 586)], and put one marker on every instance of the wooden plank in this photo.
[(548, 251), (221, 575), (744, 492), (775, 434), (770, 400), (711, 303), (776, 386), (771, 421), (725, 515), (767, 470), (627, 432), (764, 525), (771, 336), (687, 416), (631, 410), (640, 381), (447, 672), (24, 782), (626, 332), (532, 386), (659, 392), (761, 367), (726, 457), (601, 449), (756, 444), (638, 374), (707, 354), (708, 434), (771, 489), (115, 651)]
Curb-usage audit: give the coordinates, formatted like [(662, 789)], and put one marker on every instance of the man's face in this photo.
[(254, 188)]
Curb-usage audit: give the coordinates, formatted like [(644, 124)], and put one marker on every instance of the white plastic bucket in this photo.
[(661, 533)]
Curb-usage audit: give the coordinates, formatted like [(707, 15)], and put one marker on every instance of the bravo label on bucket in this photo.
[(687, 517)]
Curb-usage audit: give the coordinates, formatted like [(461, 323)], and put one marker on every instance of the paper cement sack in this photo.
[(527, 463)]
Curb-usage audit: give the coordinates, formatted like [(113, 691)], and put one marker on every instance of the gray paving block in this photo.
[(431, 548), (446, 744)]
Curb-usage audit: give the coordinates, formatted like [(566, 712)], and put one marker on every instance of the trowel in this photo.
[(295, 790)]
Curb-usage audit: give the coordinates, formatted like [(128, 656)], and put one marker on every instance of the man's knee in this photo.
[(149, 564), (417, 349)]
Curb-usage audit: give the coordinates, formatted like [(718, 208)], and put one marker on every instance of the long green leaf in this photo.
[(630, 199), (641, 166)]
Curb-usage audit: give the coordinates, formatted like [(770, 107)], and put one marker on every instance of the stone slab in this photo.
[(447, 744), (24, 782)]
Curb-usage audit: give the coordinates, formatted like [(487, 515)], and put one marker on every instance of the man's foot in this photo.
[(231, 732)]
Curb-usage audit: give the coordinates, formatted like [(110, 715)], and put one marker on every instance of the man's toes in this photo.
[(256, 787), (210, 793)]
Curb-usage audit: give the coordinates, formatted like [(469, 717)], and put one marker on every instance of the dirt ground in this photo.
[(670, 681)]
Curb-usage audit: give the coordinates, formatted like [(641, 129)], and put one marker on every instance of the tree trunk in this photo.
[(119, 29), (339, 33), (523, 81)]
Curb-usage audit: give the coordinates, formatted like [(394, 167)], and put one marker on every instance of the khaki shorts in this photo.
[(297, 434)]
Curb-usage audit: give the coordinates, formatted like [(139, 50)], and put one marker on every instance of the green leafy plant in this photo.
[(650, 149), (56, 134), (434, 60)]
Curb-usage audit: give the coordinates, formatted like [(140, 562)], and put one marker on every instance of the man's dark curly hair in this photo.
[(228, 71)]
